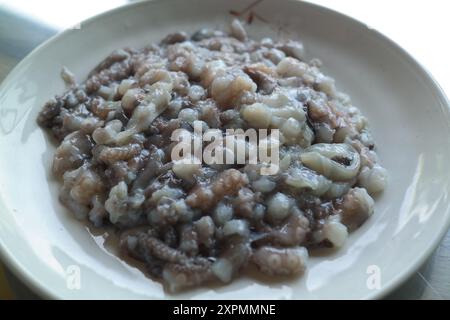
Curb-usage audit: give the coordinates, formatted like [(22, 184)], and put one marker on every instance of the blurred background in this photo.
[(420, 27)]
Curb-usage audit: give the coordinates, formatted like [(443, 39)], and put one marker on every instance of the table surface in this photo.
[(35, 21)]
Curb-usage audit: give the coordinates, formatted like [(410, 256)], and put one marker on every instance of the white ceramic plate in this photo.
[(408, 113)]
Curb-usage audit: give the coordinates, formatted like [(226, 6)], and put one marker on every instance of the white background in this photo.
[(420, 27)]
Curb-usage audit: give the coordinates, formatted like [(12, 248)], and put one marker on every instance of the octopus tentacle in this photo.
[(280, 262)]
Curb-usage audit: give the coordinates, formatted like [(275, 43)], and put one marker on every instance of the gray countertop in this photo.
[(431, 281)]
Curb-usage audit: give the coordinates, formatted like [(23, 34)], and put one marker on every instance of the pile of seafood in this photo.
[(192, 223)]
